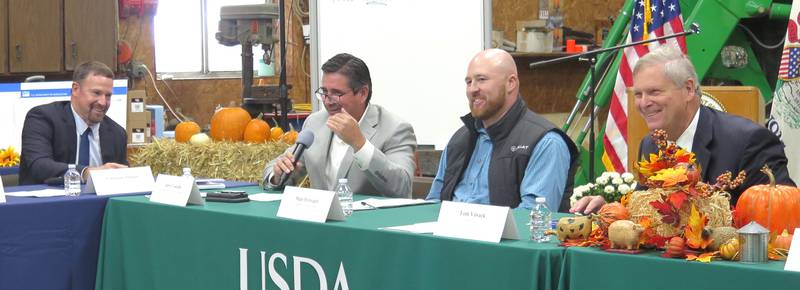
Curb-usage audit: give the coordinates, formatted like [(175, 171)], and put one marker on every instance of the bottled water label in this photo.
[(72, 181), (540, 222), (345, 197)]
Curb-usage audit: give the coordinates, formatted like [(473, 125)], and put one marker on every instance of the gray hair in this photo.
[(677, 66)]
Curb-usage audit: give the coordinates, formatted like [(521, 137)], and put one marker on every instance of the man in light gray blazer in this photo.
[(363, 142)]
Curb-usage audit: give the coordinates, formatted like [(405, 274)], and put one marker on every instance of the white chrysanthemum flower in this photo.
[(609, 189), (602, 180), (627, 177), (624, 188), (616, 181)]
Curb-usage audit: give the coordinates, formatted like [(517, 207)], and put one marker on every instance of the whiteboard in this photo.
[(16, 99), (417, 52)]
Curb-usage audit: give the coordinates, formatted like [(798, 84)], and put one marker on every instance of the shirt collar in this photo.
[(687, 138), (80, 124)]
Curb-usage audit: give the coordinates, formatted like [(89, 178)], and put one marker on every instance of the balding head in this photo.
[(492, 85)]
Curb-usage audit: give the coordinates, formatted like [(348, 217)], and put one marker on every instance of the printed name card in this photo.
[(479, 222), (120, 181), (2, 192), (311, 205), (176, 190), (793, 258)]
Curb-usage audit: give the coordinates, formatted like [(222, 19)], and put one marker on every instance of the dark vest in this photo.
[(513, 139)]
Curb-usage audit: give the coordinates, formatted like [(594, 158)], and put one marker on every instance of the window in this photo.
[(185, 45)]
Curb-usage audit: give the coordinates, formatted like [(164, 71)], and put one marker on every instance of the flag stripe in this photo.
[(666, 19)]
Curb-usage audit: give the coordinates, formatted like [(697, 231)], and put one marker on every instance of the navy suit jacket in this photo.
[(724, 142), (49, 142)]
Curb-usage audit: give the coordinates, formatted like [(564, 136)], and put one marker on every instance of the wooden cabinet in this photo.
[(3, 36), (91, 34), (54, 36), (35, 36)]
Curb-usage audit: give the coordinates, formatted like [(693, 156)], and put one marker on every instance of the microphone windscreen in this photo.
[(306, 138)]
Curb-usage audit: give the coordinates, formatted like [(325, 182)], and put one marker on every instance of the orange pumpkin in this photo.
[(185, 130), (291, 136), (676, 248), (783, 241), (612, 212), (776, 207), (276, 132), (256, 131), (229, 124)]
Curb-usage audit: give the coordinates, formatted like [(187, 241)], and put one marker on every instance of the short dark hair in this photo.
[(84, 70), (353, 68)]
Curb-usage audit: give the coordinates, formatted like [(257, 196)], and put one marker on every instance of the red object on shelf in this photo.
[(571, 46)]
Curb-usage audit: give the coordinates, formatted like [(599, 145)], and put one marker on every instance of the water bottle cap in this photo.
[(541, 200), (342, 180), (71, 166)]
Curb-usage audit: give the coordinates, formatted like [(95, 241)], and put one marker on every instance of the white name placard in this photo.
[(120, 181), (793, 258), (480, 222), (312, 205), (176, 190), (2, 192)]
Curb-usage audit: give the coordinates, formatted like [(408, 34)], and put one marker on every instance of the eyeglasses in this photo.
[(322, 94)]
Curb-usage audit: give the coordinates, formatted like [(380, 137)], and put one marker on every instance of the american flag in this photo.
[(650, 19), (789, 62)]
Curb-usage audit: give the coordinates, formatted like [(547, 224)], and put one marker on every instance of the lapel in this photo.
[(368, 129), (106, 142), (702, 139), (322, 141), (69, 120)]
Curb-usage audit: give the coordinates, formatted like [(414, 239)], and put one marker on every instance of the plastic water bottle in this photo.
[(72, 181), (345, 196), (540, 221)]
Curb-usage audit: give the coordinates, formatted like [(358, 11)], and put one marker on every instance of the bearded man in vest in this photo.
[(505, 154)]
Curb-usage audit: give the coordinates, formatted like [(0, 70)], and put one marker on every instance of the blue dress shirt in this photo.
[(545, 175)]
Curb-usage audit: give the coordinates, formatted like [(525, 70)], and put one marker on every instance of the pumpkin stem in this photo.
[(769, 174), (260, 116)]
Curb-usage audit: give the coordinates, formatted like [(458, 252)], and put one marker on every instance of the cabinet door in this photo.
[(3, 36), (90, 28), (35, 36)]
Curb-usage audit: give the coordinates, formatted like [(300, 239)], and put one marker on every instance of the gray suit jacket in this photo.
[(390, 172)]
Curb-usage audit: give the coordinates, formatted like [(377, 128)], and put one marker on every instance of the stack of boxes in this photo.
[(139, 118)]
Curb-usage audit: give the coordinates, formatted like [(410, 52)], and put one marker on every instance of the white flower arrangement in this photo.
[(610, 185)]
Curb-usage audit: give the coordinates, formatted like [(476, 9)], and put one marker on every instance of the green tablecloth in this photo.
[(153, 246), (591, 268)]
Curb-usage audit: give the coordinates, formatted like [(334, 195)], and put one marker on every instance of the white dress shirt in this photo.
[(95, 157), (687, 138)]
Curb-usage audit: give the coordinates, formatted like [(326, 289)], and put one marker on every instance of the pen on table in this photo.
[(368, 205)]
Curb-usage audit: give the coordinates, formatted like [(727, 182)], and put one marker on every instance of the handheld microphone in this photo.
[(304, 140)]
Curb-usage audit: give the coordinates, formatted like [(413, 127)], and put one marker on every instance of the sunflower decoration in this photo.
[(9, 157)]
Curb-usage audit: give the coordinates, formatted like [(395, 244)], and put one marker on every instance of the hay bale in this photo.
[(716, 207), (228, 160)]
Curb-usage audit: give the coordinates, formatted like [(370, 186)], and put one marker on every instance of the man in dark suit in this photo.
[(667, 96), (74, 132)]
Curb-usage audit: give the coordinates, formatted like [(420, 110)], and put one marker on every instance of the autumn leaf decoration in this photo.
[(669, 177), (668, 156), (694, 230), (704, 257)]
